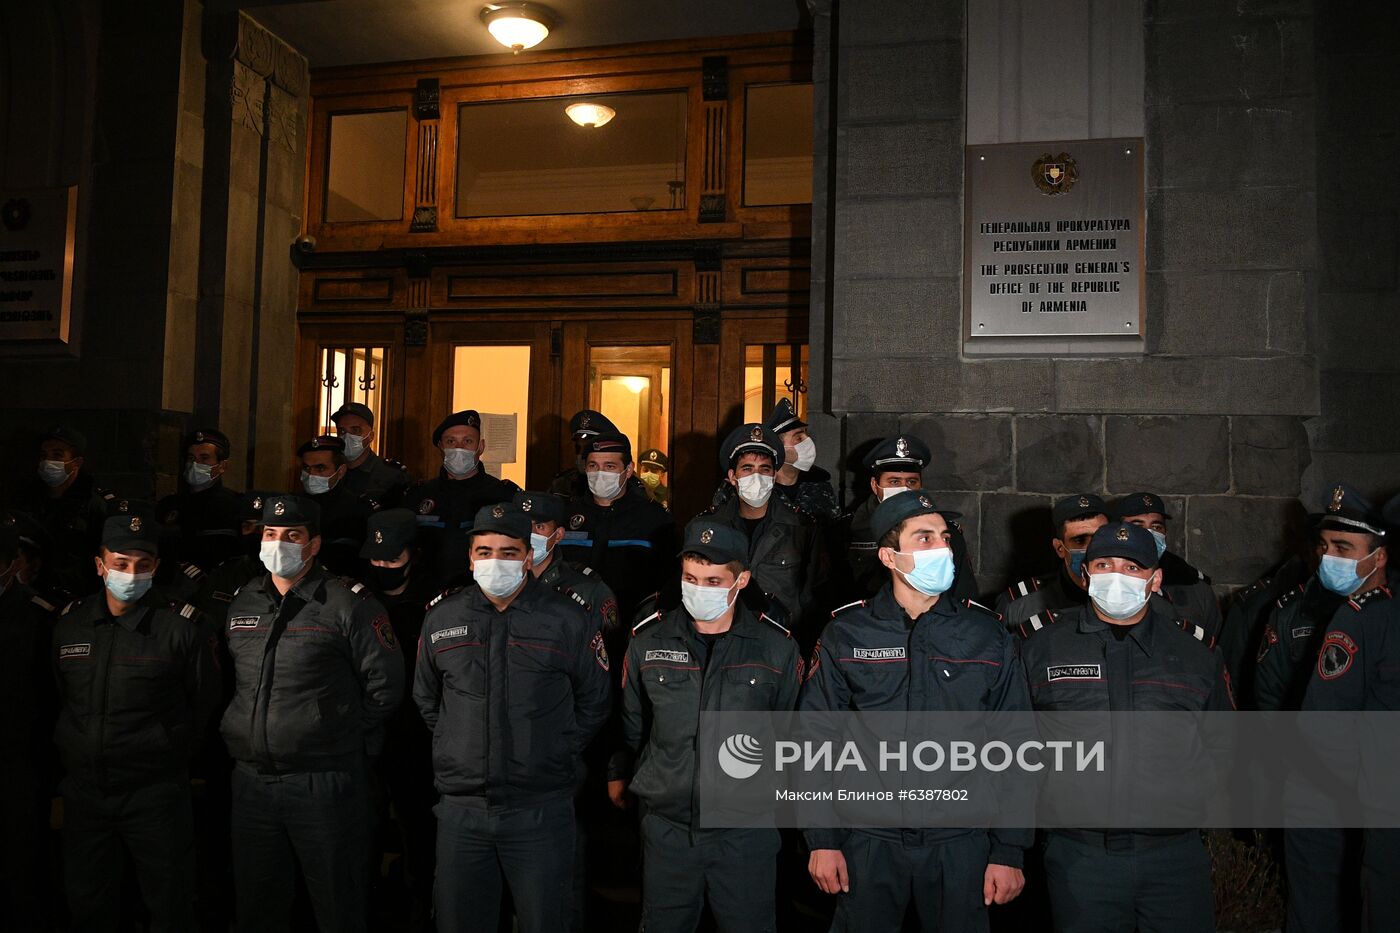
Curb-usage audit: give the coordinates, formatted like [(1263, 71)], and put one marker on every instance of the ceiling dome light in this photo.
[(517, 25), (594, 115)]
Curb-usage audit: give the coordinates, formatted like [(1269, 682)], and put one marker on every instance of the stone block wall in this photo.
[(1248, 397)]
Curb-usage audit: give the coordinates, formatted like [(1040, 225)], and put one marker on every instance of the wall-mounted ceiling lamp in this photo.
[(516, 24), (594, 115)]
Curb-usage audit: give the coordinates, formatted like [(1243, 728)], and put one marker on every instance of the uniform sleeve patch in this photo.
[(1268, 641), (609, 612), (816, 661), (384, 631), (1336, 657), (69, 652), (600, 651)]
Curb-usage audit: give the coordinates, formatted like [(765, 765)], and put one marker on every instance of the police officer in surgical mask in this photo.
[(203, 516)]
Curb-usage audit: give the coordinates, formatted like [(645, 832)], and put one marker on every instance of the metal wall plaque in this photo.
[(37, 227), (1053, 241)]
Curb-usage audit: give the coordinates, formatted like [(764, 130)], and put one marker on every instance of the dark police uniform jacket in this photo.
[(343, 519), (585, 588), (73, 522), (958, 656), (1358, 666), (867, 574), (446, 509), (135, 691), (206, 523), (783, 554), (317, 673), (384, 481), (512, 698), (1189, 590), (631, 544), (1293, 633), (1036, 595), (26, 681), (667, 684)]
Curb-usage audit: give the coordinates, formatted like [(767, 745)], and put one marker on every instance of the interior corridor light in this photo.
[(594, 115), (516, 24), (635, 384)]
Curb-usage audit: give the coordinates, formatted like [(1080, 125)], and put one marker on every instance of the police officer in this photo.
[(369, 475), (1124, 651), (137, 680), (446, 504), (317, 674), (584, 425), (404, 587), (652, 469), (1076, 519), (938, 653), (1183, 584), (343, 514), (804, 484), (67, 503), (512, 679), (203, 515), (548, 516), (896, 466), (711, 654), (615, 530), (1298, 622), (783, 549), (217, 589), (27, 696)]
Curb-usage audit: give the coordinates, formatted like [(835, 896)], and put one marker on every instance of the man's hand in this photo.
[(617, 793), (828, 869), (1001, 884)]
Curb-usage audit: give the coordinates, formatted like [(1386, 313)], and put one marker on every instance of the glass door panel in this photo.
[(770, 375), (631, 386), (494, 379), (349, 374)]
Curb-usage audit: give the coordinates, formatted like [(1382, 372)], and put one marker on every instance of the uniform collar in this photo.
[(885, 606), (1142, 633), (681, 625), (525, 600)]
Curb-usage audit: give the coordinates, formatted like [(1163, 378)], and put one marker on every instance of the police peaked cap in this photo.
[(715, 541), (895, 509), (543, 506), (612, 443), (783, 418), (1348, 510), (136, 530), (209, 436), (751, 438), (902, 453), (502, 518), (324, 442), (588, 422), (289, 511), (388, 533)]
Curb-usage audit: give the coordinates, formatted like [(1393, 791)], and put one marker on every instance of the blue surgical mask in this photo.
[(933, 570), (53, 472), (1339, 574), (1076, 561), (706, 603), (1161, 540), (539, 548), (199, 475), (127, 587), (315, 485), (282, 558), (498, 578)]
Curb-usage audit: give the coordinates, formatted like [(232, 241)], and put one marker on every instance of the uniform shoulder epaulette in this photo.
[(356, 587), (443, 595), (1023, 588), (849, 606), (1359, 601), (193, 572), (765, 617), (1289, 596), (1244, 593), (1036, 622), (572, 594), (645, 622), (396, 464), (974, 604), (107, 496), (586, 571), (1196, 632), (374, 504), (43, 603), (184, 610), (70, 607)]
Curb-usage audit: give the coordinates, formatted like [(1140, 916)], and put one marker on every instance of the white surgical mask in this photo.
[(540, 548), (498, 577), (459, 461), (706, 603), (127, 587), (282, 558), (805, 454), (315, 485), (199, 475), (887, 491), (755, 489), (1117, 595), (605, 485), (53, 472), (354, 446)]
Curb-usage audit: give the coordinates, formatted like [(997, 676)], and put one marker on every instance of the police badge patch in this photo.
[(384, 631), (1335, 658), (600, 650), (426, 506), (576, 522)]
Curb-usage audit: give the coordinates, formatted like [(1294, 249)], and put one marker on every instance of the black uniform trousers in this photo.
[(1129, 881), (943, 877), (531, 848), (736, 870), (152, 824), (1321, 866), (320, 821)]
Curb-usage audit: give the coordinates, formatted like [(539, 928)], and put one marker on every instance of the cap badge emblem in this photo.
[(123, 506), (924, 501), (1123, 533), (498, 512), (1147, 502), (279, 507), (257, 502), (199, 437), (527, 504), (426, 506), (576, 522), (756, 434), (1084, 502), (315, 442), (135, 523), (707, 536), (379, 537), (586, 420), (901, 448), (1336, 504)]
